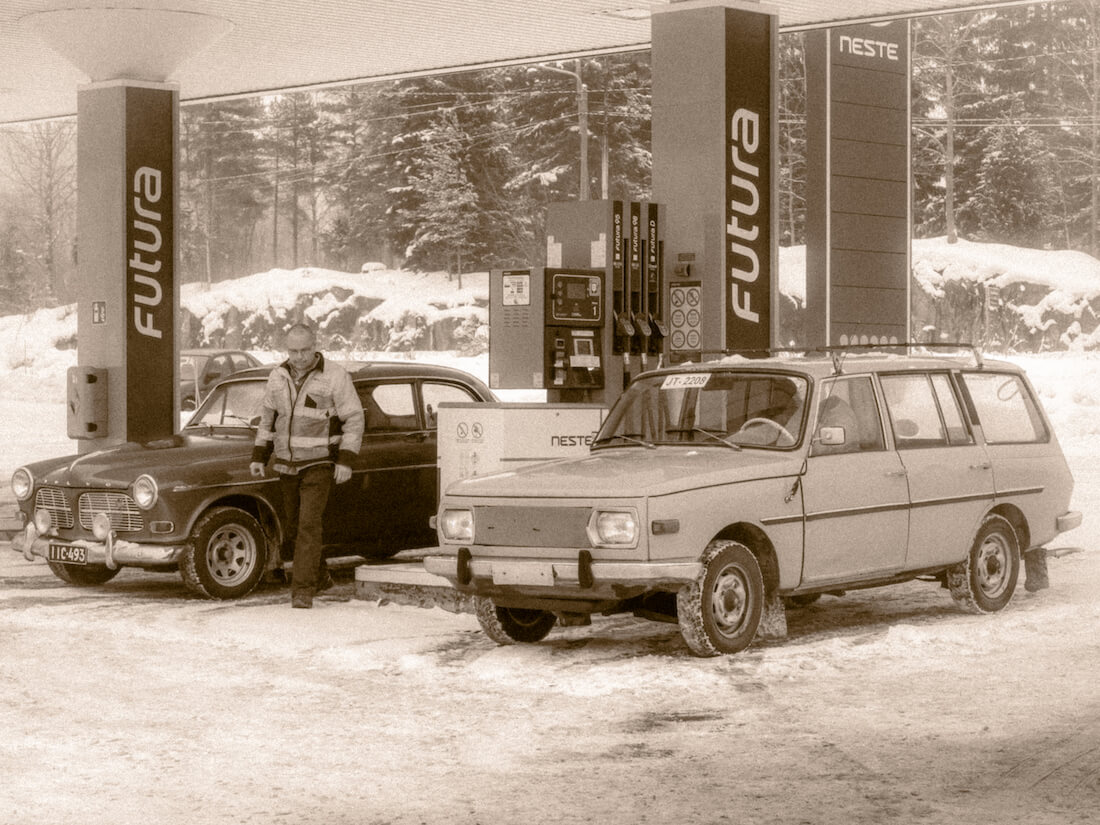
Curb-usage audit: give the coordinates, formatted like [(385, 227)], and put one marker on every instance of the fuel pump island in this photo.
[(582, 326)]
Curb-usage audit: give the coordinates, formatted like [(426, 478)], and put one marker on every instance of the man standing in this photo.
[(312, 420)]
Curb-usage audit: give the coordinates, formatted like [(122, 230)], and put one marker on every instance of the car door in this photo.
[(1029, 469), (950, 475), (377, 507), (854, 493)]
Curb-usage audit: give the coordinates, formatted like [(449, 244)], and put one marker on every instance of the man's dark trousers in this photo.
[(304, 497)]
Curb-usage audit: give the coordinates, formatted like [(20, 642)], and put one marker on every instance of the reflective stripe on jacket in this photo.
[(318, 422)]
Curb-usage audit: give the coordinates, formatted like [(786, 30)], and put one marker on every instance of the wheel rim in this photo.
[(993, 568), (729, 601), (231, 555)]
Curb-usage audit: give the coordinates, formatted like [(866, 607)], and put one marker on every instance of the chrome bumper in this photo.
[(114, 552), (567, 572)]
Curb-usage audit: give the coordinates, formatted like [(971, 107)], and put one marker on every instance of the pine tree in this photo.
[(225, 188)]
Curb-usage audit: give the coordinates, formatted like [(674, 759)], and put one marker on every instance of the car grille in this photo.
[(532, 526), (123, 512), (53, 500)]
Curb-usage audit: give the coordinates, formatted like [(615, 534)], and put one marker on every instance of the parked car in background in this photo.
[(201, 369), (715, 493), (189, 503)]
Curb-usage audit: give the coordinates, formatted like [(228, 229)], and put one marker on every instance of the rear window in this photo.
[(1007, 411)]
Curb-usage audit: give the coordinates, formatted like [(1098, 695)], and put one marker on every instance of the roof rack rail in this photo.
[(837, 352)]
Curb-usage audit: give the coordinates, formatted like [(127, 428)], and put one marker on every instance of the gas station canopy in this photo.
[(225, 48)]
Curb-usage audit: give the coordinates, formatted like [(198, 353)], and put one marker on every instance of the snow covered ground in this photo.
[(137, 703)]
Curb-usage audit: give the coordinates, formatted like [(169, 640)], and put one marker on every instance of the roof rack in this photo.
[(837, 353)]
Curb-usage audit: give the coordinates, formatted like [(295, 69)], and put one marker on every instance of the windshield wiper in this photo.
[(630, 438), (231, 417), (717, 438)]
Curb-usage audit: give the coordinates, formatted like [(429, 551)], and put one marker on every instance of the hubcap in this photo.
[(993, 566), (231, 555), (729, 602)]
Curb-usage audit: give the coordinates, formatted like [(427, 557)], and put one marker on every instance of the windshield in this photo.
[(232, 404), (721, 408)]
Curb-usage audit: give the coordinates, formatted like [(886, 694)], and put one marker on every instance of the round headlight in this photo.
[(22, 483), (457, 525), (42, 520), (615, 527), (101, 525), (144, 490)]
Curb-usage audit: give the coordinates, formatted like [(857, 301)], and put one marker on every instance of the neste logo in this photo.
[(865, 47)]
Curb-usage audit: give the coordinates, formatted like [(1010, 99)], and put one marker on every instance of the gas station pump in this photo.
[(573, 332), (640, 343), (593, 318), (654, 303)]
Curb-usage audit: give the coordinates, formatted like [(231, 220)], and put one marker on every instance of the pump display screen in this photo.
[(575, 298)]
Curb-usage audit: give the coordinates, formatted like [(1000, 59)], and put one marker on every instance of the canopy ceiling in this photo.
[(239, 47)]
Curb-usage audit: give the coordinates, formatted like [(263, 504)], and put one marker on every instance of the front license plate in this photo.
[(529, 574), (67, 554)]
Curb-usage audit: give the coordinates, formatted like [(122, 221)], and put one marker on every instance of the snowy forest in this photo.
[(453, 171)]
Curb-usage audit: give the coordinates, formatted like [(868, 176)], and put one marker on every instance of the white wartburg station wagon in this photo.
[(717, 493)]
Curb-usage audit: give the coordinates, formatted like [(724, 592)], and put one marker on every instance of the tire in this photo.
[(508, 625), (720, 611), (83, 576), (225, 559), (985, 582)]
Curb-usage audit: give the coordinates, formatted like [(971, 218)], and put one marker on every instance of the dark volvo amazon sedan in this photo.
[(188, 502)]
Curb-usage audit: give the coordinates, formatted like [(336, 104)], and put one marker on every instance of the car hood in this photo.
[(631, 472), (179, 459)]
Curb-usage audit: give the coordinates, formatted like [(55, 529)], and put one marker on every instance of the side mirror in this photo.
[(831, 436)]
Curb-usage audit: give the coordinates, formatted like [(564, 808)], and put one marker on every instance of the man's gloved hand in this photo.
[(341, 473), (256, 469)]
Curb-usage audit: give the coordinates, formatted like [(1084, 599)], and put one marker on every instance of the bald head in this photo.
[(301, 347)]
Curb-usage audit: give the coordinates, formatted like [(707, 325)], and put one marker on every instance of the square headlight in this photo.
[(457, 525), (613, 528)]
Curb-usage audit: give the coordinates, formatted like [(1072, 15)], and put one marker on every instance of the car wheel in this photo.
[(985, 582), (225, 559), (508, 625), (720, 611), (82, 575)]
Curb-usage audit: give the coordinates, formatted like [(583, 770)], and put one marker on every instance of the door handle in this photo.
[(985, 465), (896, 474)]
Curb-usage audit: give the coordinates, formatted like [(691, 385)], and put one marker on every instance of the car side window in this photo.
[(388, 407), (1007, 411), (433, 394), (957, 431), (217, 367), (914, 411), (848, 403)]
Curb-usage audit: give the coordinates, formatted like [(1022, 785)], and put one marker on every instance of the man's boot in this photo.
[(301, 598)]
